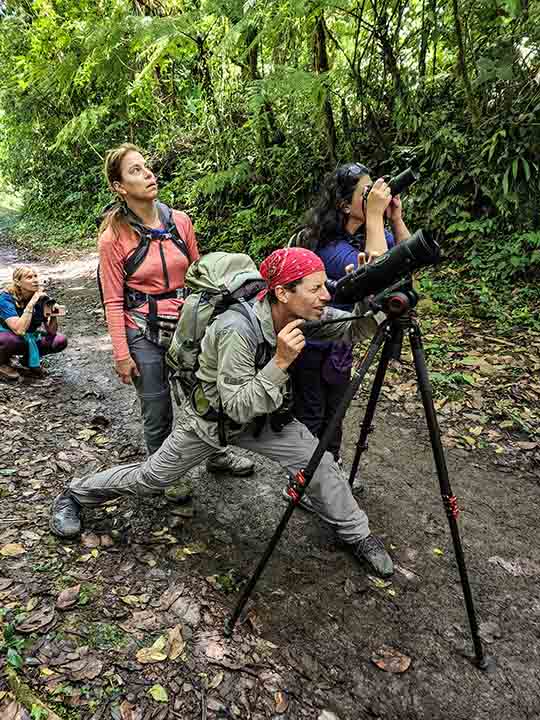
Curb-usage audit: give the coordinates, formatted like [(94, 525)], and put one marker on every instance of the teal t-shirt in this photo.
[(9, 309)]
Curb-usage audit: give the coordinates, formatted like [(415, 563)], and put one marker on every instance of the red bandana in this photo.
[(288, 264)]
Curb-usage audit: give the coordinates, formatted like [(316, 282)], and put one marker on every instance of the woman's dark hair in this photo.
[(326, 218)]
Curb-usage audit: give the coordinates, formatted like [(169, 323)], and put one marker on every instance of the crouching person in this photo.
[(28, 325), (241, 394)]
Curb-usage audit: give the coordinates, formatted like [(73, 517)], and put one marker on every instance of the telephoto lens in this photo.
[(401, 182), (419, 250)]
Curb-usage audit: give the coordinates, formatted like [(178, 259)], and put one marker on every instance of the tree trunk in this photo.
[(462, 63), (423, 45), (321, 65)]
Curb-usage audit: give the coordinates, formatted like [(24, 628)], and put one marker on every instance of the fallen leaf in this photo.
[(12, 550), (526, 445), (438, 551), (90, 540), (38, 620), (154, 653), (281, 701), (85, 666), (68, 597), (391, 660), (13, 711), (216, 681), (32, 604), (130, 712), (214, 650), (379, 582), (47, 672), (159, 693), (135, 600), (175, 643), (192, 549), (142, 620)]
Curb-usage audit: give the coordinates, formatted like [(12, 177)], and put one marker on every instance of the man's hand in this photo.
[(290, 343), (127, 370)]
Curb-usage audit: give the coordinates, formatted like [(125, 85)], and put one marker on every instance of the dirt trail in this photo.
[(305, 650)]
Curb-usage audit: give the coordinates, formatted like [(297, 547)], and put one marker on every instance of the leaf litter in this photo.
[(494, 405)]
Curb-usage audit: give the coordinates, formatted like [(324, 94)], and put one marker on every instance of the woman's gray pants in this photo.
[(186, 447), (153, 388)]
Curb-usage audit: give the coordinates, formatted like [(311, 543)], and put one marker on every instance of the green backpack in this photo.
[(218, 281)]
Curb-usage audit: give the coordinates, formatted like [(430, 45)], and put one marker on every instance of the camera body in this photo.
[(51, 308), (398, 183)]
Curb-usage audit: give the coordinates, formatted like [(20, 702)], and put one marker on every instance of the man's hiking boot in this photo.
[(65, 520), (230, 462), (371, 550)]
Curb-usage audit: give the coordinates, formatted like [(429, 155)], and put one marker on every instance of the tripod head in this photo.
[(396, 301)]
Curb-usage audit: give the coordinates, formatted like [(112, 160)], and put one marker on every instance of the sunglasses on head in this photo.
[(352, 171)]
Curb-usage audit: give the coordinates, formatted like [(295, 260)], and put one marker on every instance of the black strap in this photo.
[(138, 256), (135, 298)]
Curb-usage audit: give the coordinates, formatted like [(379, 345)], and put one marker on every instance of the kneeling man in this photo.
[(234, 383)]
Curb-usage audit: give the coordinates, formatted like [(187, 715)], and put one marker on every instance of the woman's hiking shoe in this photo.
[(9, 373), (33, 372), (230, 462), (65, 520), (372, 550)]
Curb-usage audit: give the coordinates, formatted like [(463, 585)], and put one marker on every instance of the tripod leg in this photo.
[(449, 500), (362, 445), (304, 477)]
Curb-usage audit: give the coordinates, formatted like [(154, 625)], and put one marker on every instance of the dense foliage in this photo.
[(244, 106)]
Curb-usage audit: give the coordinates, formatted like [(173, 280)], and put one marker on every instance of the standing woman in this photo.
[(345, 227), (145, 250)]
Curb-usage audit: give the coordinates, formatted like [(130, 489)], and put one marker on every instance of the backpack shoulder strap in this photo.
[(245, 308), (136, 259), (167, 218)]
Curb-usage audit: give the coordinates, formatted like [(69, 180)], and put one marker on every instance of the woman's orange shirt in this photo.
[(114, 249)]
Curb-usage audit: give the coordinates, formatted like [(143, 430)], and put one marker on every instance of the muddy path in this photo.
[(145, 577)]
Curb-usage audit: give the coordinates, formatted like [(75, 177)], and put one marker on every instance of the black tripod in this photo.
[(398, 304)]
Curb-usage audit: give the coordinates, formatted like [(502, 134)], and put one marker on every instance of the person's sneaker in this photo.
[(181, 492), (34, 372), (65, 520), (9, 373), (230, 462), (372, 550)]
